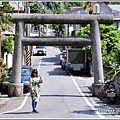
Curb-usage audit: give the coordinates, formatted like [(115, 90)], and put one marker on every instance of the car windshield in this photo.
[(24, 72), (40, 46)]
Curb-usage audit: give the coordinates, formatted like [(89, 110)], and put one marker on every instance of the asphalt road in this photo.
[(62, 96)]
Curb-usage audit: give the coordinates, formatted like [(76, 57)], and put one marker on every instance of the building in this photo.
[(111, 9), (68, 28), (18, 8), (99, 8)]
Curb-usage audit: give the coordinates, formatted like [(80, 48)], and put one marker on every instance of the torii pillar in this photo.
[(16, 87), (96, 57)]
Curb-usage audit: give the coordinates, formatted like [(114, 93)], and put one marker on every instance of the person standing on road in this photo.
[(35, 81)]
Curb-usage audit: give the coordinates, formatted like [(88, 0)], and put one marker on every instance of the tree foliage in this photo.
[(6, 24), (59, 8), (5, 18), (36, 7), (3, 70), (54, 8), (110, 43), (7, 42)]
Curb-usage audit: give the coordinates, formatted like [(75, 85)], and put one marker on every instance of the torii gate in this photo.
[(94, 40)]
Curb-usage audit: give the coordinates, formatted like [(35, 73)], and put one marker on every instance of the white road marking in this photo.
[(25, 98), (22, 104), (86, 100)]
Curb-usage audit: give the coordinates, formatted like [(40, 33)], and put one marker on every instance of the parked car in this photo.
[(39, 50), (62, 54), (25, 75)]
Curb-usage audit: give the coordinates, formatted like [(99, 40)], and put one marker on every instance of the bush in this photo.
[(3, 70)]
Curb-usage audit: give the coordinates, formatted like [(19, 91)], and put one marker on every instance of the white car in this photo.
[(39, 50)]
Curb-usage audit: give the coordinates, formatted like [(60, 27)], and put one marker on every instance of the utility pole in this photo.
[(28, 48)]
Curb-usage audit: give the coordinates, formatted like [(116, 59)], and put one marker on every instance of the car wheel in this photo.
[(63, 67), (67, 72)]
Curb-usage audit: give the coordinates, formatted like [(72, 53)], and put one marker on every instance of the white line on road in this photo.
[(25, 98), (22, 104), (86, 100)]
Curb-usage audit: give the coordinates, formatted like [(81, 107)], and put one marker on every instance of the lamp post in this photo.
[(28, 48)]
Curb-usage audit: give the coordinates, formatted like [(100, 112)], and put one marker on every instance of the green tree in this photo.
[(110, 42), (6, 43), (36, 7), (59, 8), (6, 24)]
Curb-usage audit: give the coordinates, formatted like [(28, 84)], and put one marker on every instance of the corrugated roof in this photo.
[(114, 7), (73, 9), (21, 7)]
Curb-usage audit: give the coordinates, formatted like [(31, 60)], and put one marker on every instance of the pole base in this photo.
[(95, 89), (15, 89)]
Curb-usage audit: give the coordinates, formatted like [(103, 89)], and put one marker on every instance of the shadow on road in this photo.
[(62, 96), (90, 112), (19, 112)]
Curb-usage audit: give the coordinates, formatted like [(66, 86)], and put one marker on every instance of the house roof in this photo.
[(114, 7), (21, 7), (73, 9)]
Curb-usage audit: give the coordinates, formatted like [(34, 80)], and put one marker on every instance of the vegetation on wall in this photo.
[(3, 70), (6, 25), (110, 45), (6, 43)]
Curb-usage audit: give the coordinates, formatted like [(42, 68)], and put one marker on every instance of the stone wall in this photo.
[(117, 86)]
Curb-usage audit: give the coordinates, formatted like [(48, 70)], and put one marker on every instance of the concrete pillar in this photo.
[(15, 89), (96, 57), (28, 48)]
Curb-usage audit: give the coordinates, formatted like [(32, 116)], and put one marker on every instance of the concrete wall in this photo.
[(8, 59)]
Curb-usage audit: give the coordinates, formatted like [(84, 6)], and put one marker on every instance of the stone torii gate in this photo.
[(16, 87)]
